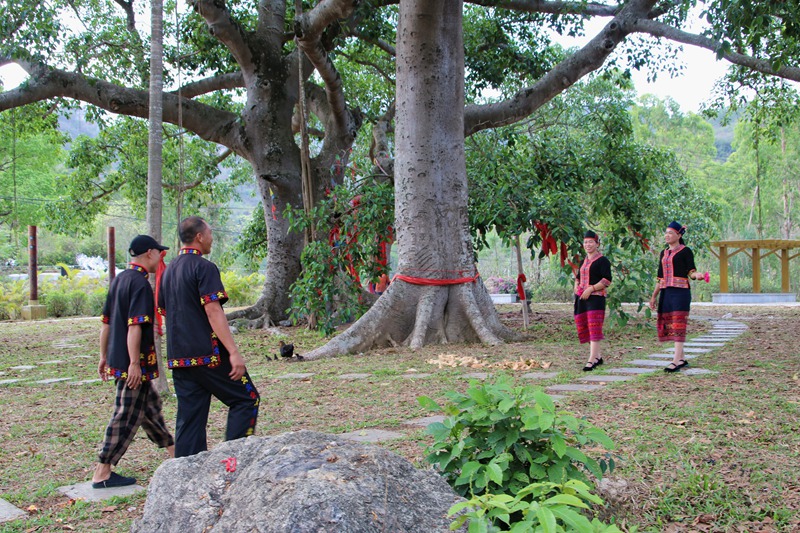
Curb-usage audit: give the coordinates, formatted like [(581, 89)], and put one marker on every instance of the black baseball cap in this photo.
[(141, 243)]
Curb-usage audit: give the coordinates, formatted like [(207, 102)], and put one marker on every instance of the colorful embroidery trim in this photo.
[(141, 319), (184, 362), (190, 251), (105, 319), (213, 297), (138, 268)]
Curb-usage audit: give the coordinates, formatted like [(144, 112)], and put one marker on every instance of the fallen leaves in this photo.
[(453, 360)]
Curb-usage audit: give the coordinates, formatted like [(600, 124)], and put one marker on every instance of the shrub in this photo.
[(500, 438), (496, 285), (540, 506), (242, 290), (13, 295), (57, 304), (504, 440)]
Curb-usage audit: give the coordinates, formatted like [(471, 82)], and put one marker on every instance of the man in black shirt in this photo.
[(201, 352), (127, 354)]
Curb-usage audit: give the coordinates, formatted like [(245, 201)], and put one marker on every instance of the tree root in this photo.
[(422, 315)]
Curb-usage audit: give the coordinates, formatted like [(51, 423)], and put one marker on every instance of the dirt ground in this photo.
[(717, 452)]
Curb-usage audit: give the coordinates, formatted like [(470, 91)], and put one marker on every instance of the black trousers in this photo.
[(194, 387)]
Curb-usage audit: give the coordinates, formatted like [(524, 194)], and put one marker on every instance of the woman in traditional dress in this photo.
[(675, 269), (591, 282)]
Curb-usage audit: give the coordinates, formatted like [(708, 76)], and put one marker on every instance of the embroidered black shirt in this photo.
[(189, 283), (130, 302)]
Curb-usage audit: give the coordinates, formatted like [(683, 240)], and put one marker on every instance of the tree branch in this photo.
[(207, 122), (554, 8), (233, 80), (222, 26), (379, 152), (308, 30), (380, 43), (658, 29), (562, 76), (377, 67)]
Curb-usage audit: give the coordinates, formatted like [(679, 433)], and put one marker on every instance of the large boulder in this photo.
[(295, 483)]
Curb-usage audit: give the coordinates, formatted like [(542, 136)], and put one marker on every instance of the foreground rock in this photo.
[(296, 482)]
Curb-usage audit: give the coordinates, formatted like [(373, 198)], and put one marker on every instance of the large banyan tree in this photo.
[(268, 50)]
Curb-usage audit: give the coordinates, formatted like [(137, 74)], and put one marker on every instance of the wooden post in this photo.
[(33, 310), (32, 267), (723, 269), (112, 255), (756, 270), (520, 273), (785, 270)]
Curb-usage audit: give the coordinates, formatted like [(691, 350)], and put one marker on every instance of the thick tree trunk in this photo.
[(430, 197)]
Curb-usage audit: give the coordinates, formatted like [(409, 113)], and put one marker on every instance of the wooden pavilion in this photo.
[(756, 250)]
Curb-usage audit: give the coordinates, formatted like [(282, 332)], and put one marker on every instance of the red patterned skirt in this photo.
[(589, 317), (673, 313)]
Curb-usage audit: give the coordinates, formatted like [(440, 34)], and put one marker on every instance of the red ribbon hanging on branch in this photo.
[(520, 288)]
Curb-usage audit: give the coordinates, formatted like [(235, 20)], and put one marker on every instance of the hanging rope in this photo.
[(181, 168), (305, 160)]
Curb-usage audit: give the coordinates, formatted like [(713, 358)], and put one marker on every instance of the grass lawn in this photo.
[(716, 452)]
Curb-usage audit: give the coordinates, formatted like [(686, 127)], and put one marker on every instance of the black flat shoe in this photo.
[(598, 362), (589, 367), (672, 367), (683, 363), (114, 481)]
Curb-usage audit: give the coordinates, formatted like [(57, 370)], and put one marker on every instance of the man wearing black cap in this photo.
[(127, 354), (201, 352)]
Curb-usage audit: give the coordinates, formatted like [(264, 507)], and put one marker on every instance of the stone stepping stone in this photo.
[(572, 387), (49, 381), (647, 362), (9, 512), (372, 435), (704, 344), (539, 375), (85, 381), (416, 375), (8, 381), (296, 375), (697, 371), (557, 397), (476, 375), (606, 379), (691, 349), (53, 362), (86, 492), (81, 357), (425, 421), (668, 356), (631, 370), (22, 367), (354, 376)]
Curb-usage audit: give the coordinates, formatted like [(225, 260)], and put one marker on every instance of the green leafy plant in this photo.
[(350, 225), (500, 438), (242, 290), (544, 506)]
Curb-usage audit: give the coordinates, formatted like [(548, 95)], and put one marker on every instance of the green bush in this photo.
[(77, 301), (242, 290), (540, 506), (57, 304), (13, 295), (499, 439)]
